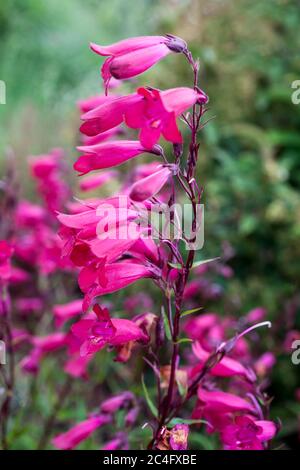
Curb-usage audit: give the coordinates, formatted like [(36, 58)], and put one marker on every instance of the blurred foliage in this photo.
[(249, 157)]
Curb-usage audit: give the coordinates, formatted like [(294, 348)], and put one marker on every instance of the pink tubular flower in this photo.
[(96, 181), (156, 113), (179, 437), (26, 305), (227, 367), (79, 432), (42, 345), (120, 442), (64, 312), (109, 154), (6, 252), (152, 111), (111, 405), (265, 363), (76, 366), (247, 434), (134, 56), (47, 170), (117, 275), (223, 402), (149, 186), (108, 115), (95, 334)]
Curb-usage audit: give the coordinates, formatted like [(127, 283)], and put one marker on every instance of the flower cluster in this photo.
[(107, 244)]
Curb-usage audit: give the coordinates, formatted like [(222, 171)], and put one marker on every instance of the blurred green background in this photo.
[(249, 157)]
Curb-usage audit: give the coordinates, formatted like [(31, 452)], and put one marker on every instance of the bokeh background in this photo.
[(250, 151)]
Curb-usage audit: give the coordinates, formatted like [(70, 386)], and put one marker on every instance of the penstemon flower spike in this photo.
[(109, 265)]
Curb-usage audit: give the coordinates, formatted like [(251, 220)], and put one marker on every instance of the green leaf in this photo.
[(189, 312), (195, 265), (175, 265), (166, 324), (184, 340), (207, 443), (183, 389), (150, 403), (204, 261), (187, 421)]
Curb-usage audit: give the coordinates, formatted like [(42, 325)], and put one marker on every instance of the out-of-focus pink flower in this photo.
[(64, 312), (42, 345), (50, 343), (149, 186), (289, 339), (247, 434), (132, 416), (120, 442), (28, 214), (6, 251), (79, 432), (96, 181), (90, 103), (19, 336), (256, 315), (109, 154), (30, 364), (137, 302), (47, 170), (207, 329), (133, 56), (264, 364), (76, 366), (27, 305), (179, 437), (95, 334), (111, 405)]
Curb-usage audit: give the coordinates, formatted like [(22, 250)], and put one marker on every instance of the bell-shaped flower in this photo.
[(109, 154), (80, 432), (247, 434), (94, 334), (149, 186), (134, 56)]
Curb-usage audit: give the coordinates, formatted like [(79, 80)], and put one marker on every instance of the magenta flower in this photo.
[(247, 434), (109, 154), (27, 305), (223, 402), (108, 115), (227, 367), (6, 252), (79, 432), (134, 56), (76, 366), (111, 405), (96, 181), (64, 312), (117, 276), (179, 437), (149, 186), (120, 442), (156, 113), (265, 363), (95, 334), (152, 111), (43, 345)]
